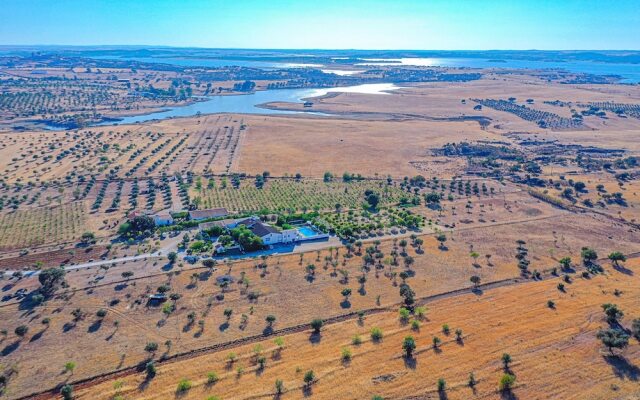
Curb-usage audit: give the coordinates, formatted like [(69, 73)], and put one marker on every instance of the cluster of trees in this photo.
[(247, 239), (140, 225)]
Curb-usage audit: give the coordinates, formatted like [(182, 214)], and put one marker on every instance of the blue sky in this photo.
[(328, 24)]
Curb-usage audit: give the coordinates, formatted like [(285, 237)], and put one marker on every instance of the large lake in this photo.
[(248, 103), (629, 72)]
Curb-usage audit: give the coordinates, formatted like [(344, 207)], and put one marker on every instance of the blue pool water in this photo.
[(307, 231)]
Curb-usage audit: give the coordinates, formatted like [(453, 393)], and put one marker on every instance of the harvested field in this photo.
[(284, 289), (566, 362)]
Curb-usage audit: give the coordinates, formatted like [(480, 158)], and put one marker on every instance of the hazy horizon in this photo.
[(330, 24)]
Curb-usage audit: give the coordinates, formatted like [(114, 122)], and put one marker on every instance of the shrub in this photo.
[(309, 376), (21, 330), (101, 313), (442, 385), (507, 381), (376, 334), (279, 386), (357, 340), (69, 366), (472, 380), (346, 354), (212, 378), (404, 314), (151, 347), (150, 368), (445, 329), (183, 386)]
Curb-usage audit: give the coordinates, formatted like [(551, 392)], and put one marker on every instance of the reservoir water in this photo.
[(248, 103), (629, 72)]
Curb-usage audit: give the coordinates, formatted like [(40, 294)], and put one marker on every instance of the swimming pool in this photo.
[(307, 231)]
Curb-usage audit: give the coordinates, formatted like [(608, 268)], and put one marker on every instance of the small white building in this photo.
[(162, 218)]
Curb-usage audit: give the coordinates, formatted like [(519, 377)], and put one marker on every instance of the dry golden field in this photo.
[(555, 352), (57, 185), (286, 290)]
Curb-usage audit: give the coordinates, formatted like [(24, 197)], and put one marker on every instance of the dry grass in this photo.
[(555, 353), (284, 291)]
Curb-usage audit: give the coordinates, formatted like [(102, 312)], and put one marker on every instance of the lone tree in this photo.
[(67, 392), (309, 377), (613, 338), (127, 275), (21, 330), (612, 312), (172, 256), (475, 280), (506, 382), (408, 345), (589, 255), (565, 262), (50, 279), (407, 294), (270, 320), (616, 257), (506, 360), (316, 324)]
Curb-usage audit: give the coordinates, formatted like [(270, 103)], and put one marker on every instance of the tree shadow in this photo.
[(10, 348), (37, 336), (622, 269), (315, 338), (68, 326), (345, 304), (410, 362), (507, 394), (224, 326), (307, 390), (622, 368), (267, 331), (95, 326), (442, 395), (477, 291), (167, 267)]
